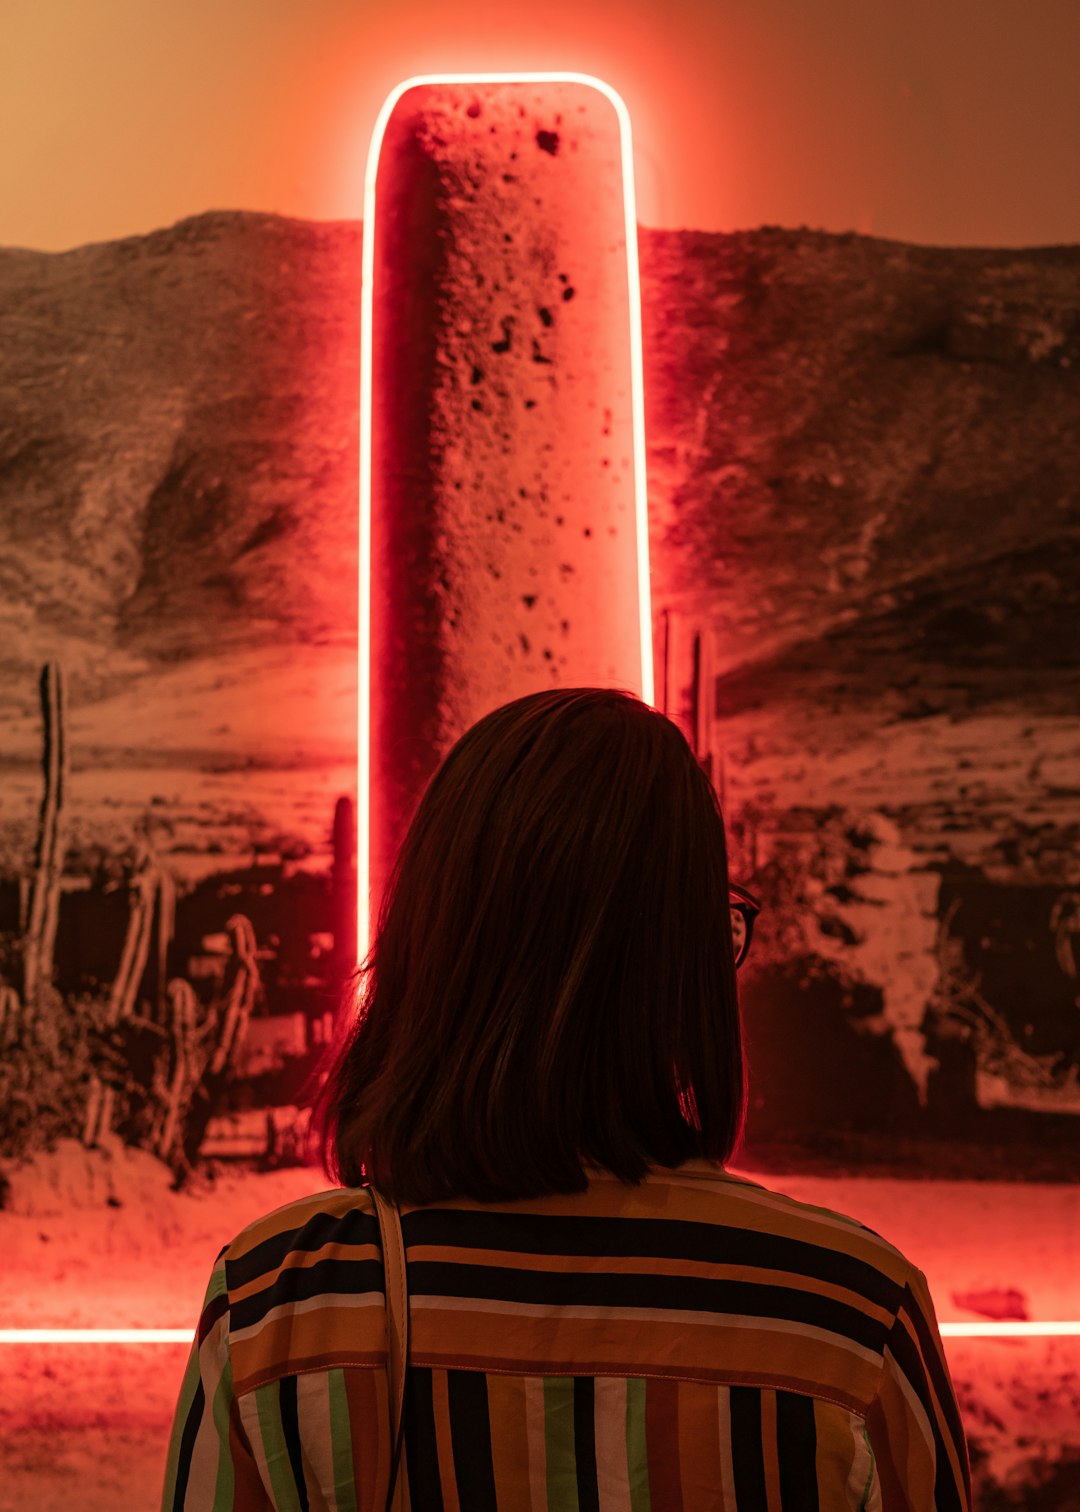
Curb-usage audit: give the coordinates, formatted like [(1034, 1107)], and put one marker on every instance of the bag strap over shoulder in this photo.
[(397, 1333)]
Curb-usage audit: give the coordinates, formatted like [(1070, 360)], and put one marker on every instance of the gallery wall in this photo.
[(864, 540), (865, 530)]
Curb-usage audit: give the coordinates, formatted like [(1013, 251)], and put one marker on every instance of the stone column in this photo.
[(504, 544)]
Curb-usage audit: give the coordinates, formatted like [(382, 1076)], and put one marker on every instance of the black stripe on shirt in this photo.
[(796, 1452), (187, 1446), (301, 1283), (421, 1446), (588, 1490), (938, 1376), (214, 1309), (747, 1452), (320, 1229), (751, 1299), (647, 1239), (906, 1354), (290, 1430), (470, 1434)]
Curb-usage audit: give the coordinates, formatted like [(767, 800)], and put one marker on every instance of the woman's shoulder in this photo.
[(817, 1217), (341, 1214), (772, 1222), (707, 1210), (304, 1282), (698, 1212)]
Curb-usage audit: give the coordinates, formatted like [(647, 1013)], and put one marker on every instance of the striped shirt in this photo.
[(697, 1342)]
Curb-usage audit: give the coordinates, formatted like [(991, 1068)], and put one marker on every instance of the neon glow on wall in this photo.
[(1010, 1330), (181, 1337), (371, 307)]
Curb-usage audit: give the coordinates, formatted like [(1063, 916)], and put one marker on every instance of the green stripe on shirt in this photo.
[(562, 1494), (341, 1443), (637, 1454), (268, 1406)]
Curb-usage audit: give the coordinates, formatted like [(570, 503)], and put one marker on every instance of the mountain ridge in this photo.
[(829, 417)]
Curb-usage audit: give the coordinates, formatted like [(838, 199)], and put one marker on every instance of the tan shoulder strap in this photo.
[(397, 1331)]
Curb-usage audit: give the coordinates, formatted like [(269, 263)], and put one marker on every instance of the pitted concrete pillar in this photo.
[(504, 541)]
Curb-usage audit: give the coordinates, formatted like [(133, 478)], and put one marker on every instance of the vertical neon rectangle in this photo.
[(418, 120)]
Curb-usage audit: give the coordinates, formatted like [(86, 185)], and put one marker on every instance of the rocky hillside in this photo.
[(863, 465), (864, 454), (860, 452), (177, 446)]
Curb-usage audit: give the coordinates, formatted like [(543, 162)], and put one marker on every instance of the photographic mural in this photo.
[(865, 550), (865, 525)]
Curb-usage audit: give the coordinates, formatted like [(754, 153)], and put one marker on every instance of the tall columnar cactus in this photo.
[(182, 1007), (704, 700), (152, 920), (98, 1118), (343, 887), (164, 931), (241, 985), (145, 889), (203, 1055), (40, 938), (10, 1017)]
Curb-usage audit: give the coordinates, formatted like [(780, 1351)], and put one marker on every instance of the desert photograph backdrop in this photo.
[(864, 522), (864, 544)]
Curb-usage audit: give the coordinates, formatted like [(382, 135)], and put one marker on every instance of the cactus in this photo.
[(44, 909), (98, 1112), (10, 1017), (704, 701), (136, 951), (192, 1054), (164, 931), (152, 917), (242, 981), (184, 1072), (343, 888), (197, 1056), (204, 1057)]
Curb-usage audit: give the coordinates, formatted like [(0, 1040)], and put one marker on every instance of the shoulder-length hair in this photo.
[(552, 980)]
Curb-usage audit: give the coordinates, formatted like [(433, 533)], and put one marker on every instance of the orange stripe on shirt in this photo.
[(509, 1442), (662, 1439)]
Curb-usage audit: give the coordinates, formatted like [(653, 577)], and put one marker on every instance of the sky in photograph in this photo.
[(949, 122)]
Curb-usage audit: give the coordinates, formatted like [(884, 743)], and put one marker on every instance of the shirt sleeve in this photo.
[(917, 1438), (210, 1467)]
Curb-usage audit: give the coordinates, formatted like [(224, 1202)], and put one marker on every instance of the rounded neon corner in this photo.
[(637, 402)]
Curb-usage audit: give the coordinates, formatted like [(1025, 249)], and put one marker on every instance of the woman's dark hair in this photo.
[(552, 978)]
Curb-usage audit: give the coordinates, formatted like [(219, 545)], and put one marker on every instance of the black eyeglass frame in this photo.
[(747, 906)]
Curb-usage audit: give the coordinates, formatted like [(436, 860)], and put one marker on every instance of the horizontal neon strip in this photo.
[(1010, 1330), (1065, 1329), (96, 1335)]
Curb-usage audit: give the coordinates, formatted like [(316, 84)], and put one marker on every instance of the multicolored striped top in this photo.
[(697, 1342)]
